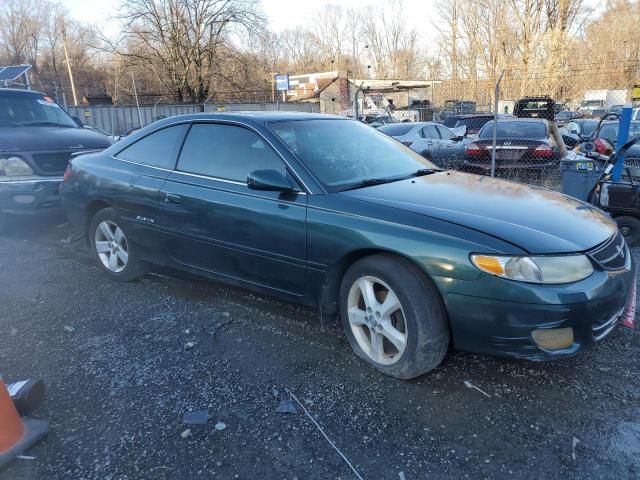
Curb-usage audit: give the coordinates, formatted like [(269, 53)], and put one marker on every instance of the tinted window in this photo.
[(341, 153), (473, 124), (535, 130), (226, 151), (446, 133), (588, 126), (32, 110), (159, 149), (609, 131), (396, 129), (450, 122), (429, 132)]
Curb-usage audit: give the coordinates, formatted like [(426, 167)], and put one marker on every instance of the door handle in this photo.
[(172, 198)]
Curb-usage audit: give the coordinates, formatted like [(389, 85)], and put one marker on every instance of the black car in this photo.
[(37, 139), (522, 144), (473, 123)]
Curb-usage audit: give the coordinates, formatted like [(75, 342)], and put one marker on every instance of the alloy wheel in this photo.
[(111, 246), (377, 320)]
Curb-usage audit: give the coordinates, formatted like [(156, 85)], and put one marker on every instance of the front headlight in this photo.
[(536, 269), (14, 167)]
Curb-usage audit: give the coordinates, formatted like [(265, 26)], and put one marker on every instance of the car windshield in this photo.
[(515, 129), (344, 153), (17, 110), (609, 131), (397, 129), (588, 126)]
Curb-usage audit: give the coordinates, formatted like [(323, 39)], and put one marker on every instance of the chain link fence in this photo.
[(451, 122)]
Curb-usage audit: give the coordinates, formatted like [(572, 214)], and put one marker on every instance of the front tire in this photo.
[(111, 248), (393, 316), (630, 228)]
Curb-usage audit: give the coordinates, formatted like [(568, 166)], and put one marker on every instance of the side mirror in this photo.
[(78, 121), (459, 138), (268, 180)]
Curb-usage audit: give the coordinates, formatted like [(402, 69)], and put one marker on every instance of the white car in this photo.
[(433, 141)]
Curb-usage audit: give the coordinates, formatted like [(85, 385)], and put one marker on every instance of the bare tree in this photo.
[(184, 42)]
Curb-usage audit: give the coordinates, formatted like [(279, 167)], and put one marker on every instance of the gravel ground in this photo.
[(124, 362)]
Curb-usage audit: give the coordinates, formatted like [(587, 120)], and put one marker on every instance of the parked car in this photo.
[(376, 121), (605, 139), (565, 116), (433, 141), (470, 125), (522, 143), (37, 138), (101, 131), (578, 131), (325, 211)]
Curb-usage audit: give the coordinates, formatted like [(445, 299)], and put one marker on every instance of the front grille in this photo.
[(613, 254), (52, 163)]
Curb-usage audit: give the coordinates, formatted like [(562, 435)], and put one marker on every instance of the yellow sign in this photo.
[(87, 113), (221, 109), (635, 93)]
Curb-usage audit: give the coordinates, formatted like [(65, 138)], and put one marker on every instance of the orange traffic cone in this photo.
[(16, 434)]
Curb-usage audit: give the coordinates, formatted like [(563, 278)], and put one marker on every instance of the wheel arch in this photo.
[(329, 301), (94, 207)]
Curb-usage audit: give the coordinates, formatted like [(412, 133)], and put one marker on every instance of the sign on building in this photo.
[(282, 82), (635, 93)]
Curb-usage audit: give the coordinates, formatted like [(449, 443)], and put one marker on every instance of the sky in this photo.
[(284, 14), (281, 13)]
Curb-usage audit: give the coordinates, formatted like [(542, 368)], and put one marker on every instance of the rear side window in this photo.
[(160, 149), (226, 151)]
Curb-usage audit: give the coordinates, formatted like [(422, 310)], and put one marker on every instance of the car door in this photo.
[(451, 151), (214, 222), (431, 142), (135, 191)]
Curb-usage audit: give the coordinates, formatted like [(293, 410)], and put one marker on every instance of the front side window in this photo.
[(226, 151), (159, 149), (343, 153)]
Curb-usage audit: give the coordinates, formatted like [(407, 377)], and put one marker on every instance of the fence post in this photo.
[(623, 136), (495, 125)]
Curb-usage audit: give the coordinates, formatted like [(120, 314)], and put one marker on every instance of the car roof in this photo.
[(14, 92), (519, 119), (252, 117)]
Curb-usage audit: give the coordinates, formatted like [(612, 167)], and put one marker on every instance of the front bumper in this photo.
[(30, 195), (504, 328)]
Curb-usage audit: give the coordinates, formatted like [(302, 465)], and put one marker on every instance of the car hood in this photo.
[(33, 139), (534, 219)]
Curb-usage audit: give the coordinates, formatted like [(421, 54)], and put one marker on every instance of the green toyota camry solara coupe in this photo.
[(328, 212)]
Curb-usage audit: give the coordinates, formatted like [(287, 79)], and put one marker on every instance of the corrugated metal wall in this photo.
[(120, 119)]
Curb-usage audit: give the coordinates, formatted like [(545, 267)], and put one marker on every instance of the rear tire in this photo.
[(393, 316), (630, 228), (110, 246)]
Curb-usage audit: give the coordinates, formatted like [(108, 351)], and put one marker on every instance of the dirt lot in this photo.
[(120, 375)]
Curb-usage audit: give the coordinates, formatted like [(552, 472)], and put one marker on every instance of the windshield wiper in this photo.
[(370, 182), (425, 171), (42, 124)]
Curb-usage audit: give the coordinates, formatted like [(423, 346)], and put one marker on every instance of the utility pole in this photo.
[(135, 93), (66, 56)]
